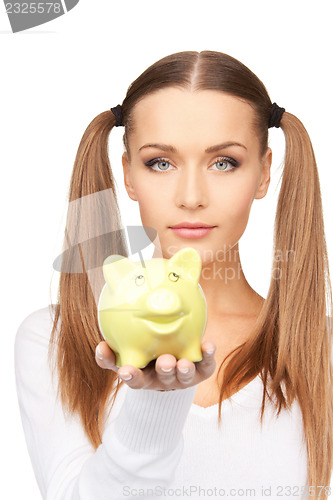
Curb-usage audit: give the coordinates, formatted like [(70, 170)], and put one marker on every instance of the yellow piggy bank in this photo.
[(152, 309)]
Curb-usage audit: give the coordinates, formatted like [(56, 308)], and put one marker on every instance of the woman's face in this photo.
[(181, 168)]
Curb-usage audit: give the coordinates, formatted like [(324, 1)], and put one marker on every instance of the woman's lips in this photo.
[(186, 232)]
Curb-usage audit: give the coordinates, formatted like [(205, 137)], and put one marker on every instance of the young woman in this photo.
[(256, 417)]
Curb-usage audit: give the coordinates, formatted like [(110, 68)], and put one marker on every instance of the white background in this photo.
[(57, 77)]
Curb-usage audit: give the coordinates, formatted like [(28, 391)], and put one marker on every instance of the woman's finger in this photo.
[(208, 363), (105, 358), (166, 369), (185, 371)]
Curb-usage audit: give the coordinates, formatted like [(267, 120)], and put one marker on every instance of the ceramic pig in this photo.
[(152, 309)]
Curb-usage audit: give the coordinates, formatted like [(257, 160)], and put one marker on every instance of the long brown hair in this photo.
[(291, 340)]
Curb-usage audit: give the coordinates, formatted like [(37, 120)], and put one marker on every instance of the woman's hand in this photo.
[(153, 376)]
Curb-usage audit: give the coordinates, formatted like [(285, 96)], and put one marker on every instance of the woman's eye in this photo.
[(161, 164), (222, 164)]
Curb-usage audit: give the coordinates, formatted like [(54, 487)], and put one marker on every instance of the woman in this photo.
[(196, 151)]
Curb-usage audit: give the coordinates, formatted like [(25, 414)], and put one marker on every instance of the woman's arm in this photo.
[(141, 445)]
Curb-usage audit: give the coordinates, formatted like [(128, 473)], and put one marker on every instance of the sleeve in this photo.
[(141, 447)]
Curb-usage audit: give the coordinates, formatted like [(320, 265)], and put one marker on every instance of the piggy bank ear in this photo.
[(189, 260), (115, 267)]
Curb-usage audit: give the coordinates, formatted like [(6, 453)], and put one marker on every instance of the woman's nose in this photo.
[(191, 188)]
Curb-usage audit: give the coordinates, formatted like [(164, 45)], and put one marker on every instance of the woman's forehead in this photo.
[(210, 117), (173, 99)]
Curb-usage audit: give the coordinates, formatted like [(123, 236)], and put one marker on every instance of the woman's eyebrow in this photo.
[(211, 149)]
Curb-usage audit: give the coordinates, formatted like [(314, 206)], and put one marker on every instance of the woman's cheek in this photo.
[(151, 210), (240, 200)]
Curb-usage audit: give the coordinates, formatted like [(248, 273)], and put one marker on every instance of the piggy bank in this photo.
[(153, 308)]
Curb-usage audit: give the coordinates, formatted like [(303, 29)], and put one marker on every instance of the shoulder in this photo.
[(31, 361), (35, 330)]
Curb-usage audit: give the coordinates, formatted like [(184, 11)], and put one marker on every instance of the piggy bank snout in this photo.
[(163, 301)]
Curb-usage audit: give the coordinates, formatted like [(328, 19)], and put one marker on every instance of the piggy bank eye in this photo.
[(139, 280), (174, 277)]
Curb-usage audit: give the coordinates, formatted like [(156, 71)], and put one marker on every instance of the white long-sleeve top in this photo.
[(155, 444)]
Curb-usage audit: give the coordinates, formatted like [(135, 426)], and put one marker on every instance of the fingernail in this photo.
[(183, 370), (210, 351), (166, 370), (98, 353), (125, 376)]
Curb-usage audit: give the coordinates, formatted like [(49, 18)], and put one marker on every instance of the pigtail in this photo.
[(291, 342), (93, 231), (304, 296)]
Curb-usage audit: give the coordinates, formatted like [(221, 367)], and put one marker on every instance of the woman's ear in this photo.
[(265, 175), (127, 177)]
